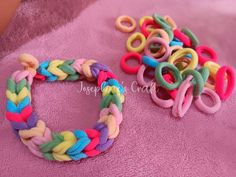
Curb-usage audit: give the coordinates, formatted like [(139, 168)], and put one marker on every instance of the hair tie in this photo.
[(66, 145), (207, 50), (123, 28), (220, 82), (198, 80), (170, 21), (205, 108), (164, 103), (159, 41), (162, 82), (190, 67), (184, 98), (182, 53), (194, 40), (145, 24), (132, 38)]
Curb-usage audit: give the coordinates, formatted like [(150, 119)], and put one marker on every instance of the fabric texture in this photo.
[(151, 141)]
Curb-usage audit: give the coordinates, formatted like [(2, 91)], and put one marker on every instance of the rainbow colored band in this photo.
[(66, 145)]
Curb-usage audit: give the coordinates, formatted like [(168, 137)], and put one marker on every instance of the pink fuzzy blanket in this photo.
[(151, 143)]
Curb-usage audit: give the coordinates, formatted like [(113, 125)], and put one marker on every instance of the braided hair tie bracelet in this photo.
[(66, 145)]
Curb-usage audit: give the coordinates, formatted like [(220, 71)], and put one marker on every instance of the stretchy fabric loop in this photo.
[(159, 41), (123, 28), (212, 67), (144, 28), (161, 81), (144, 18), (158, 101), (171, 22), (182, 37), (220, 82), (161, 21), (183, 99), (129, 69), (194, 40), (149, 61), (201, 50), (198, 80), (134, 37), (205, 108), (183, 52)]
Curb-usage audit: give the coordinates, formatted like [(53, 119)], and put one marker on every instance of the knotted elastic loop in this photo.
[(29, 62)]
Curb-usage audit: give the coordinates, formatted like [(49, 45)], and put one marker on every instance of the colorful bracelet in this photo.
[(66, 145)]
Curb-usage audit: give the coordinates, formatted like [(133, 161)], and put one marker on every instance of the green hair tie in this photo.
[(161, 81)]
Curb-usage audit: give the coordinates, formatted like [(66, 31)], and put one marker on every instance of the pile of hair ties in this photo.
[(183, 69), (66, 145)]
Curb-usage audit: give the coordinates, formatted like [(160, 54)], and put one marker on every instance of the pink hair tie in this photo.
[(220, 82), (160, 102), (208, 109), (184, 98), (159, 41), (140, 77)]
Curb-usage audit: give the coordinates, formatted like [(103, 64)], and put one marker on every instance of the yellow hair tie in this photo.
[(213, 68), (182, 53), (136, 36)]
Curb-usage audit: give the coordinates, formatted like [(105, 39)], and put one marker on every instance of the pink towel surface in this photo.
[(151, 142)]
